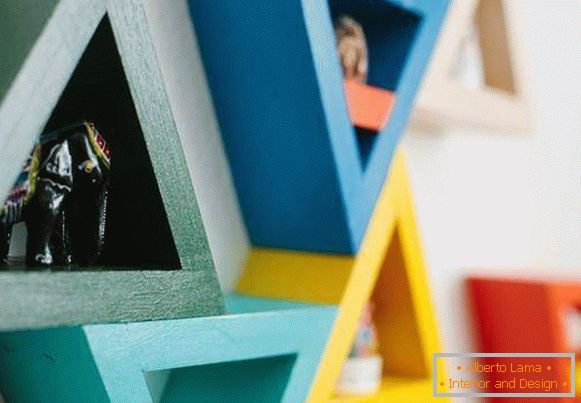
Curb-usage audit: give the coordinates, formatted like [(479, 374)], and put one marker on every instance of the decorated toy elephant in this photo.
[(61, 195)]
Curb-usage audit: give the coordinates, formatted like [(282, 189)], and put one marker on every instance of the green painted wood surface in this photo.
[(16, 38), (159, 360), (171, 237), (40, 299)]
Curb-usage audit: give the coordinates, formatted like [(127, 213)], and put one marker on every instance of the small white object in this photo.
[(573, 328), (360, 376)]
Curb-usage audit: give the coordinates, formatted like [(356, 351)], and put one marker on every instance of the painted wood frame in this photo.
[(252, 354), (305, 179), (526, 315), (390, 269), (39, 299), (502, 104)]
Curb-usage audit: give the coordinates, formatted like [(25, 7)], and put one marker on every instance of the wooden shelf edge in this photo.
[(35, 300), (110, 360), (451, 105), (240, 304)]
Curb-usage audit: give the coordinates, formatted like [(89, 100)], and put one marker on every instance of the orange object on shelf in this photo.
[(519, 316), (369, 107)]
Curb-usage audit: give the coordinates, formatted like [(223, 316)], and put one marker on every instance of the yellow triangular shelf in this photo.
[(388, 268), (501, 104)]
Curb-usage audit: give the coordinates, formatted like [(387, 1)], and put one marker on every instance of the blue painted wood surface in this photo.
[(277, 86), (165, 361)]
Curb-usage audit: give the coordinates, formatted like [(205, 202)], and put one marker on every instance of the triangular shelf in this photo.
[(390, 269), (507, 312), (501, 102), (305, 178), (156, 263), (243, 356)]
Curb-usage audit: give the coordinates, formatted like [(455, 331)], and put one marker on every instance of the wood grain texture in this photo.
[(30, 300)]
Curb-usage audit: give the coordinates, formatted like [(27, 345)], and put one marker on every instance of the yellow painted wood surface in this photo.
[(389, 268), (396, 390), (297, 276)]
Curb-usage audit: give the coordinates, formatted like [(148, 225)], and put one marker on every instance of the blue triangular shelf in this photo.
[(306, 179)]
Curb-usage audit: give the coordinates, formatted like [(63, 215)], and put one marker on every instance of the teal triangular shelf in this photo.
[(263, 351)]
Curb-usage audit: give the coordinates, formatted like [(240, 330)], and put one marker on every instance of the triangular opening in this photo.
[(390, 32), (468, 68), (365, 142), (137, 233), (254, 380), (395, 317), (388, 342), (484, 56)]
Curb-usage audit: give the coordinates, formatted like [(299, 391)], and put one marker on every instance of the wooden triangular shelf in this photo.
[(501, 103), (285, 122), (390, 269), (250, 354), (158, 265)]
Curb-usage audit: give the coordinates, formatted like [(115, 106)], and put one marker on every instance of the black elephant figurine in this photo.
[(61, 195)]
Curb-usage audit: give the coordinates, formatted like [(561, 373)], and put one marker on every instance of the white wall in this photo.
[(195, 118), (507, 203)]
